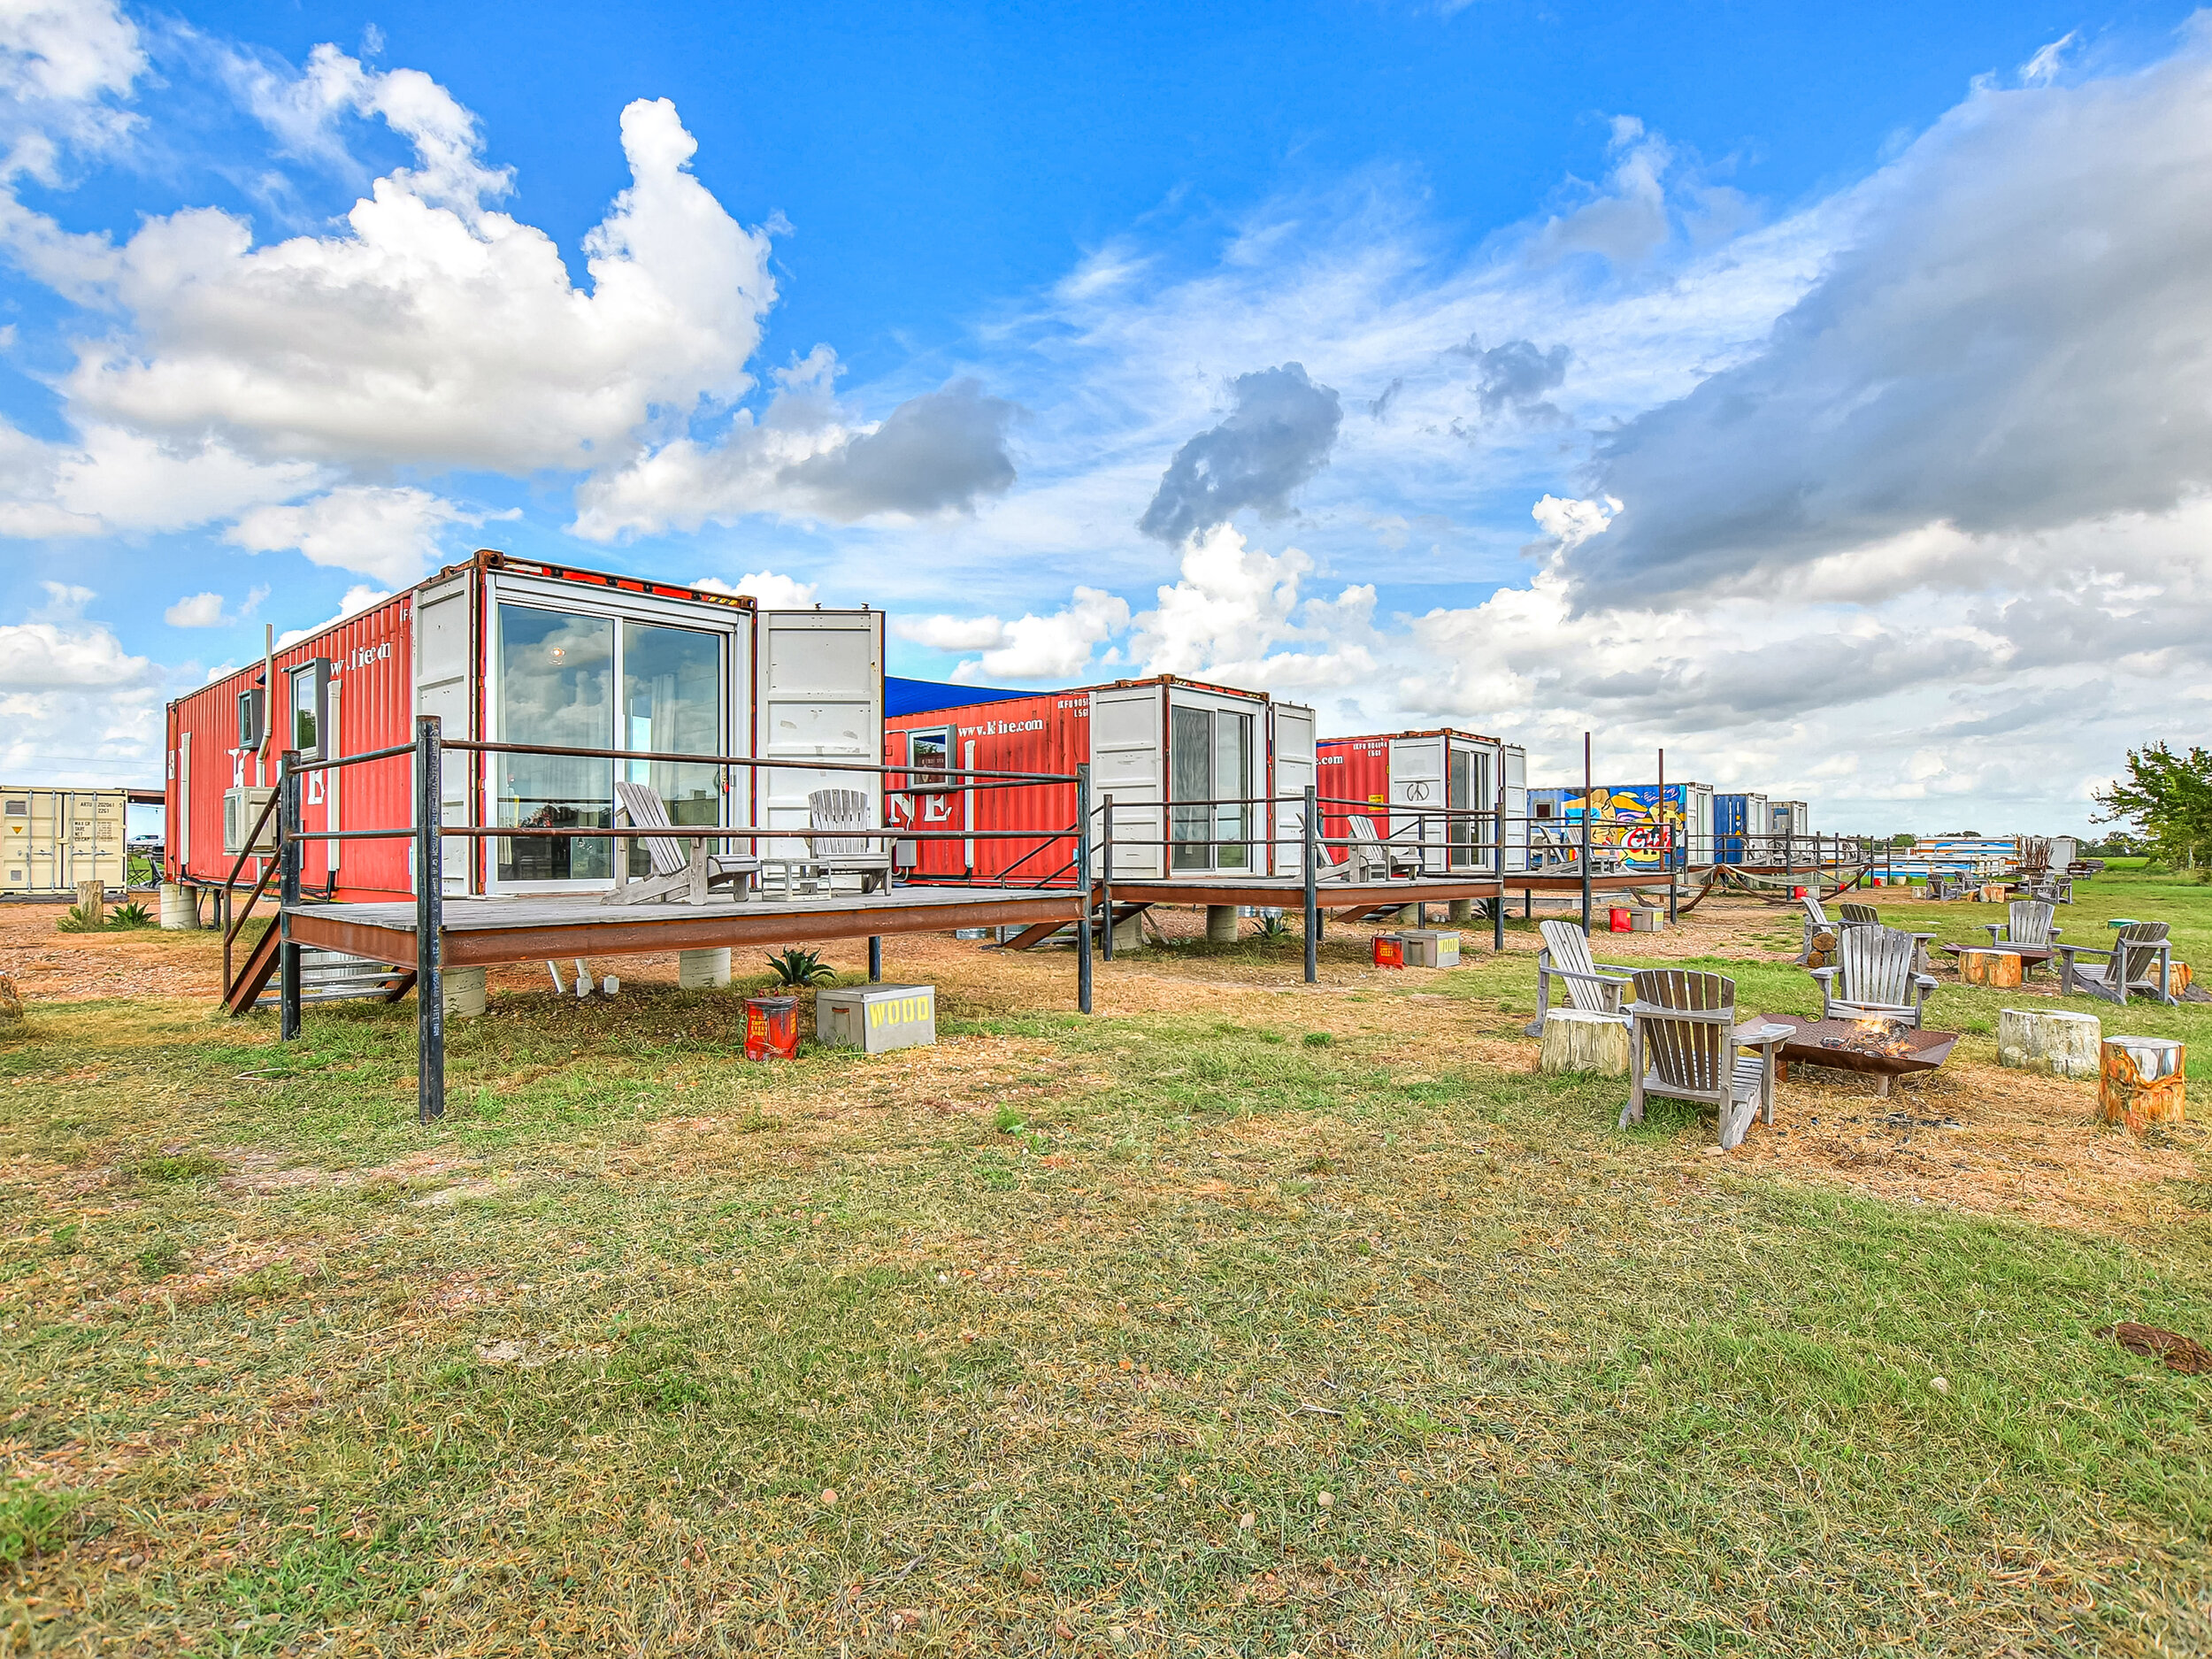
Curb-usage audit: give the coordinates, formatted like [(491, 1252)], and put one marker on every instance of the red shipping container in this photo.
[(1412, 781), (1144, 739), (712, 674), (772, 1028), (1390, 951)]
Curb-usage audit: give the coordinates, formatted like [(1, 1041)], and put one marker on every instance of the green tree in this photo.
[(2169, 798)]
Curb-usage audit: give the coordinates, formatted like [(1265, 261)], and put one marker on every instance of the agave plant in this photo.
[(80, 920), (797, 968), (131, 915), (1273, 927)]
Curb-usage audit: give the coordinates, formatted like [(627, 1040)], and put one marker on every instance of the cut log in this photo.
[(2064, 1045), (92, 899), (2000, 970), (1576, 1042), (2141, 1081)]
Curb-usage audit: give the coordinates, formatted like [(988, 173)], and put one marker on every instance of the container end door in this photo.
[(1129, 761), (1417, 798), (445, 686), (1516, 808), (819, 695), (1295, 769)]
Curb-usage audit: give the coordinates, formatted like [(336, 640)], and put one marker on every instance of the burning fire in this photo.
[(1884, 1037)]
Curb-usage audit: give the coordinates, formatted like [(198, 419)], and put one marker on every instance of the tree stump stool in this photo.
[(1577, 1041), (2062, 1044), (2141, 1081), (2000, 970), (92, 899)]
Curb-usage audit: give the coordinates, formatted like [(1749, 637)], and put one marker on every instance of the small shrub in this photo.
[(797, 968), (1318, 1039)]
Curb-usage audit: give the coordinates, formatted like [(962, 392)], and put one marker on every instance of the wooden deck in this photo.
[(481, 932), (1290, 892)]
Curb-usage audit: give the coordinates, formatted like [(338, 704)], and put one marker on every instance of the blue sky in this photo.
[(1655, 370)]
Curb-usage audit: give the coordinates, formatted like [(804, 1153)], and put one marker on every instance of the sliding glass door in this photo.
[(671, 704), (574, 680), (1210, 776)]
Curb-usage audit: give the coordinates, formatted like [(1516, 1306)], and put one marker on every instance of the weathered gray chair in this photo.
[(2027, 924), (1876, 977), (2141, 959), (1594, 987), (1867, 916), (1682, 1044), (865, 851), (680, 864), (1370, 852)]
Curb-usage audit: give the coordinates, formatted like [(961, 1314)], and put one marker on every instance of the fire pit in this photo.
[(1882, 1049)]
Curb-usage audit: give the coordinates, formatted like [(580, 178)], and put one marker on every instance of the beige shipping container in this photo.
[(52, 839)]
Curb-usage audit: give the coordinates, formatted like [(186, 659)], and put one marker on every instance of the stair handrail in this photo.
[(235, 920)]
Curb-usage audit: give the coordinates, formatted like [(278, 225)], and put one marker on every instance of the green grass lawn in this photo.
[(1261, 1326)]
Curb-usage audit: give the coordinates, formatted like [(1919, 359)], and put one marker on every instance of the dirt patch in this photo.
[(1978, 1138), (51, 966)]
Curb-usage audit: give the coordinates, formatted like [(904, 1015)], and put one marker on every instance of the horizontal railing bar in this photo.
[(740, 832), (484, 747), (393, 753)]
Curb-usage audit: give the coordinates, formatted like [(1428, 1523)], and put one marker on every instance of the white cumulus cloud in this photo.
[(389, 533)]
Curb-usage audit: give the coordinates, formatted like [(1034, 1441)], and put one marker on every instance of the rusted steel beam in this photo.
[(476, 946)]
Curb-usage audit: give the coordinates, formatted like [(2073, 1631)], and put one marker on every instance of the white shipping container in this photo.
[(52, 839)]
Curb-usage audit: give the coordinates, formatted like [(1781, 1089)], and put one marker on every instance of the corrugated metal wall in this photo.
[(371, 673), (52, 839), (1050, 732), (1353, 768)]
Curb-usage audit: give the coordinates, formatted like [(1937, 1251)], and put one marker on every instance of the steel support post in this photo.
[(1588, 790), (1497, 905), (288, 826), (429, 921), (1313, 894), (875, 958), (1083, 881)]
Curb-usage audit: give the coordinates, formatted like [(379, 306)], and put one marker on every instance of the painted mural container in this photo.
[(1628, 820), (1184, 765), (1413, 786)]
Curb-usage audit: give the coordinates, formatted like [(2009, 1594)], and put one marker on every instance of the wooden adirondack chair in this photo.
[(866, 852), (1595, 987), (2141, 959), (1867, 916), (1683, 1025), (2027, 922), (1880, 980), (684, 867), (1370, 851)]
